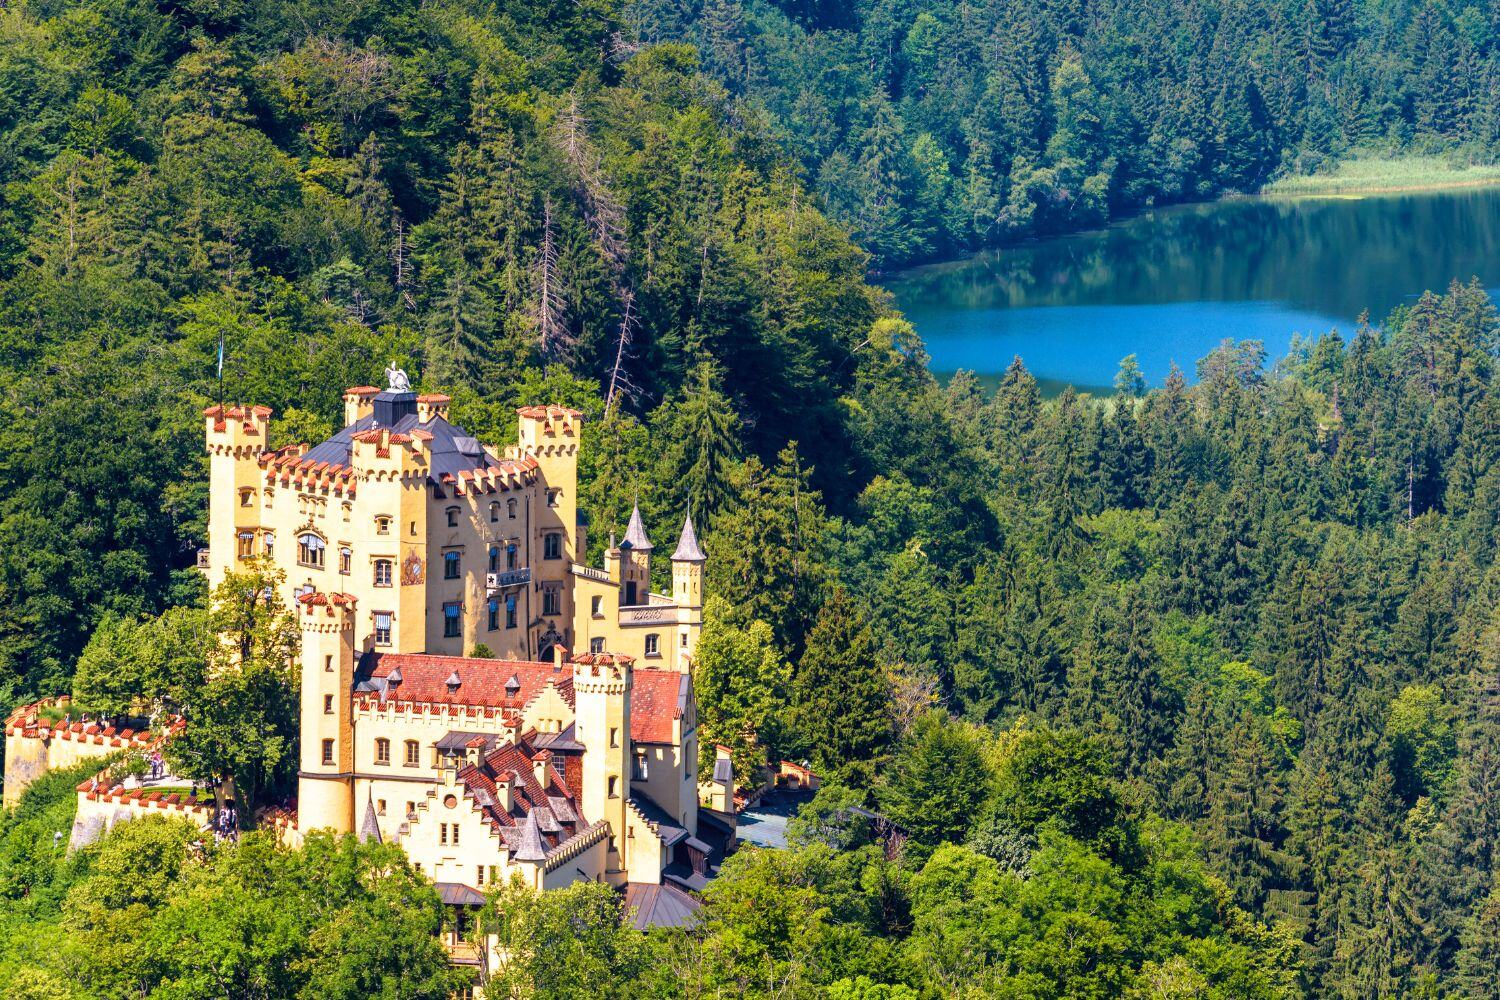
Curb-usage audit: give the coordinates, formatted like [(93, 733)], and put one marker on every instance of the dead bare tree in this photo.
[(605, 216), (557, 341)]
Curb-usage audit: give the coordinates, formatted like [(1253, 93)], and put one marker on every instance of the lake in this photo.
[(1170, 285)]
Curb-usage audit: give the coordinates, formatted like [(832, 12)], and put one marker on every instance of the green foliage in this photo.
[(740, 681), (840, 691), (932, 128)]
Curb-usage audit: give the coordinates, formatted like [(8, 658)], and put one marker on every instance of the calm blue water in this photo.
[(1169, 286)]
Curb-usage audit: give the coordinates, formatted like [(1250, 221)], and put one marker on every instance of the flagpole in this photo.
[(221, 369)]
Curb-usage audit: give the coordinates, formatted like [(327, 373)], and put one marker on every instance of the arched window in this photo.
[(382, 751), (310, 550), (510, 507), (494, 511)]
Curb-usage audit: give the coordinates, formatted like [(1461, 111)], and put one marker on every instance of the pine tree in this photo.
[(840, 691)]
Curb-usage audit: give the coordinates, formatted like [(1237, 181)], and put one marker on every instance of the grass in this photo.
[(1374, 175)]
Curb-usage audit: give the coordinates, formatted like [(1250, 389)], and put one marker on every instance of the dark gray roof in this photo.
[(531, 847), (723, 769), (635, 533), (687, 544), (458, 894), (659, 906), (458, 740), (452, 449), (661, 821), (565, 741), (369, 830)]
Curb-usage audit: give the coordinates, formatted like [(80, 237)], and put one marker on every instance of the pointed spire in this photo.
[(635, 533), (687, 545), (531, 849), (369, 830)]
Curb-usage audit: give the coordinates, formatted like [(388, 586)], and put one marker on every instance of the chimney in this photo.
[(539, 767), (357, 403), (505, 785), (432, 404)]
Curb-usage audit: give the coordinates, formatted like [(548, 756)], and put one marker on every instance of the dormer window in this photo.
[(452, 513), (310, 550), (382, 525)]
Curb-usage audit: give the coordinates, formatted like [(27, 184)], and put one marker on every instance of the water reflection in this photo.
[(1170, 285)]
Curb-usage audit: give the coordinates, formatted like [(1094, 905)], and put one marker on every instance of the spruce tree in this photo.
[(840, 691)]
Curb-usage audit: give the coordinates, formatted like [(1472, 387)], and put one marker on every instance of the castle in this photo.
[(570, 753)]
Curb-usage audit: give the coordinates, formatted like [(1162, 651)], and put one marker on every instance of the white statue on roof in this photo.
[(396, 380)]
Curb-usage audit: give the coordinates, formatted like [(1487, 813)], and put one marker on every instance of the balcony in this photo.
[(203, 560), (494, 582)]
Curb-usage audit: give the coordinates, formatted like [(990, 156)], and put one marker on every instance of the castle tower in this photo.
[(236, 437), (601, 691), (391, 523), (635, 585), (549, 435), (325, 782), (687, 594)]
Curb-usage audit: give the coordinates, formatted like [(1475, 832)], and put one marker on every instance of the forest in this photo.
[(1183, 692), (931, 127)]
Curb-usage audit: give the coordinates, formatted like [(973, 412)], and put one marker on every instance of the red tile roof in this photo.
[(424, 678), (657, 698)]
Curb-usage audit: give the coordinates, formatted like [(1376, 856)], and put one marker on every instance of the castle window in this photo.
[(380, 807), (270, 540), (382, 525), (382, 628), (346, 561), (553, 496), (614, 737), (328, 704), (310, 550), (630, 593), (494, 558), (452, 565), (596, 606), (413, 753), (454, 834), (382, 751), (479, 872), (652, 648), (244, 544), (411, 812), (596, 644), (510, 508), (328, 751), (510, 611), (452, 513), (683, 643), (328, 663), (383, 570), (442, 833), (551, 601), (641, 773), (552, 545), (247, 497), (614, 787), (451, 622), (494, 516), (510, 556), (348, 510), (494, 614)]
